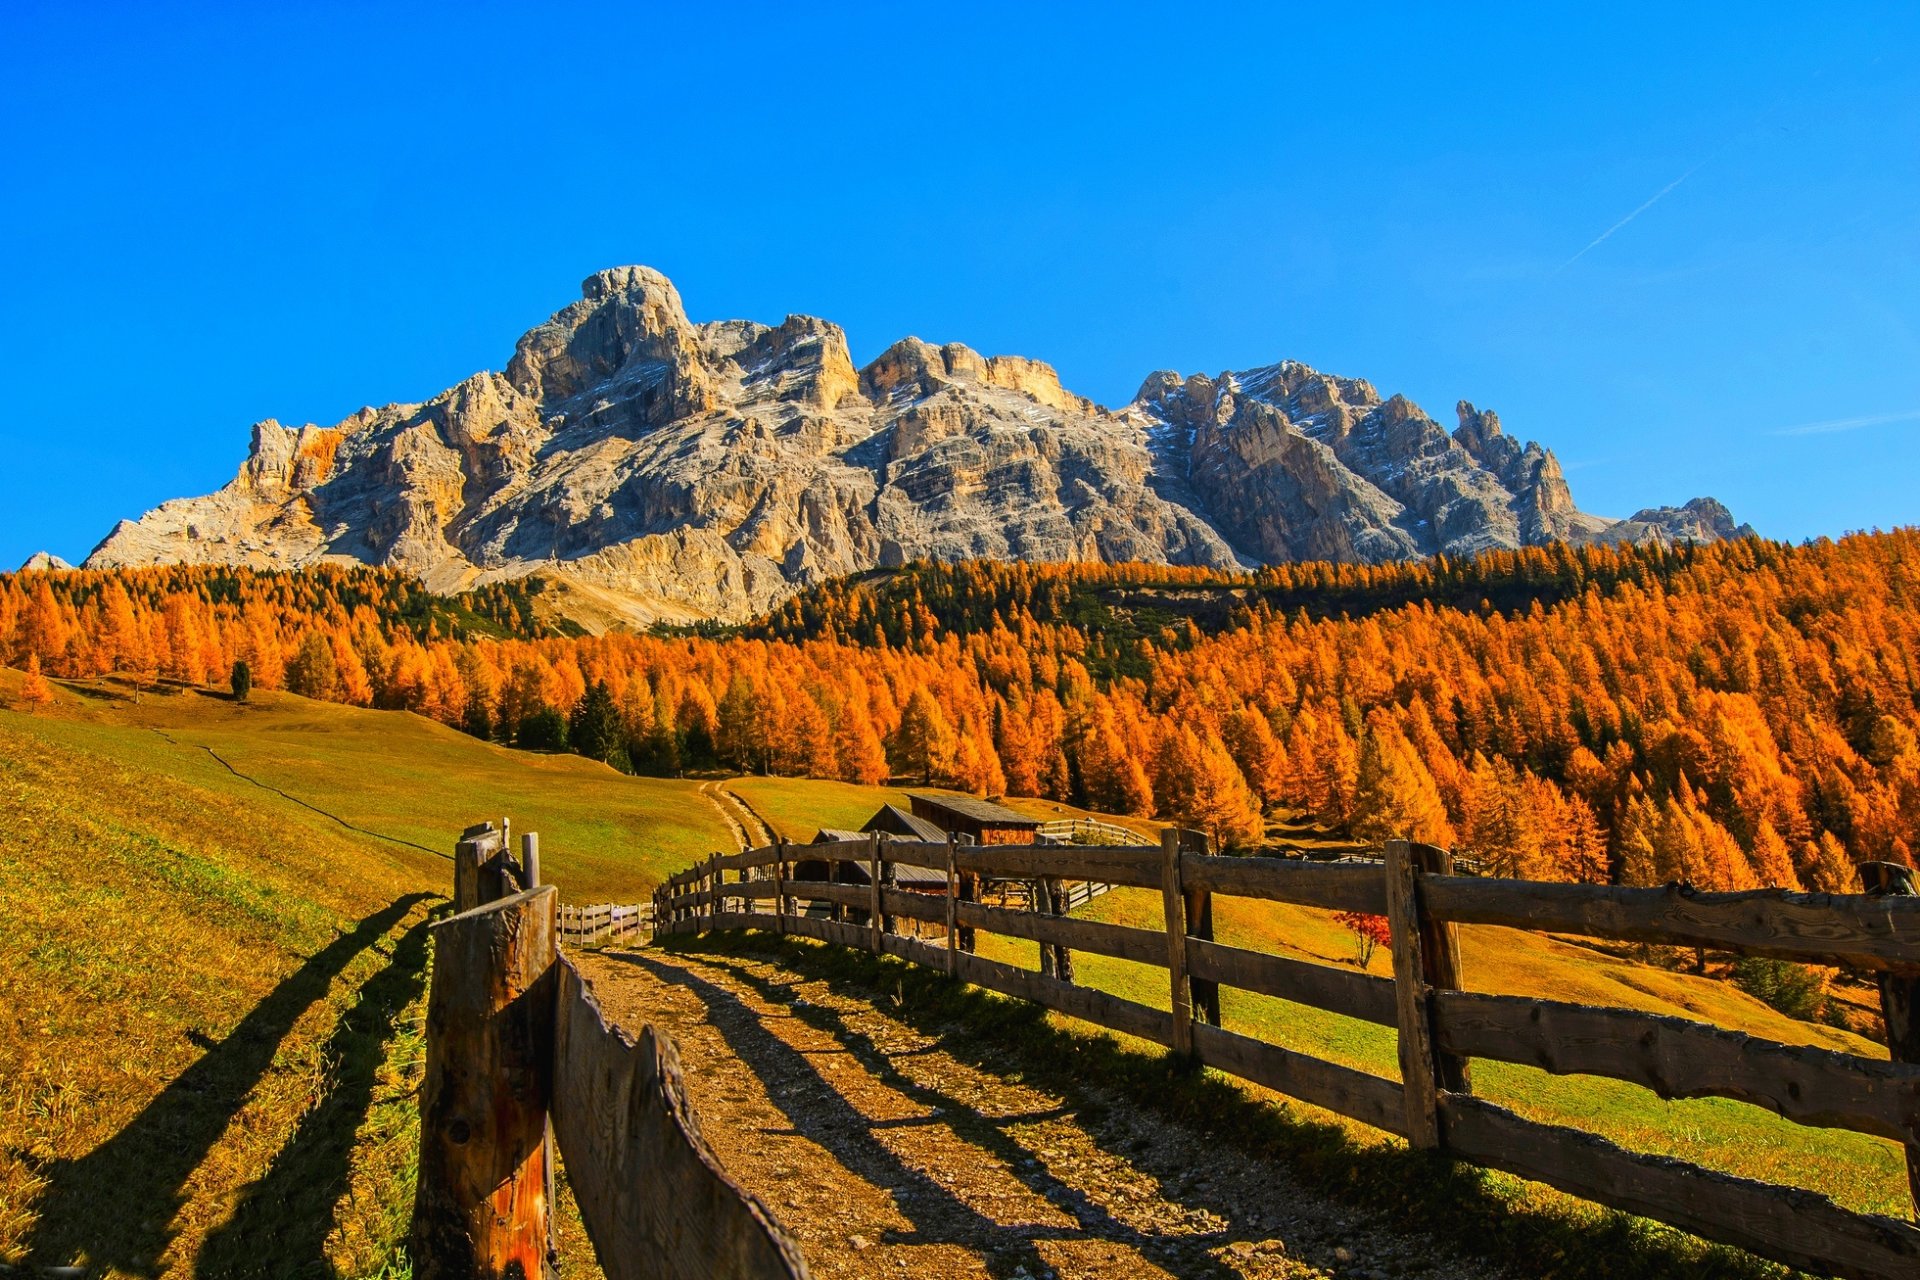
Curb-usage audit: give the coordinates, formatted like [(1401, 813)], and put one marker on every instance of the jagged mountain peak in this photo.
[(662, 468)]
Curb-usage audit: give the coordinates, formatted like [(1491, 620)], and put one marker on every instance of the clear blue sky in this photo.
[(213, 215)]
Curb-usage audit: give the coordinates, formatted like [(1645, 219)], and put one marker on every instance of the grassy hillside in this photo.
[(212, 992), (603, 834), (210, 1010), (1861, 1172)]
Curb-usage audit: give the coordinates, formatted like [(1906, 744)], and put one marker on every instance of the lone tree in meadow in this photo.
[(35, 692), (241, 681)]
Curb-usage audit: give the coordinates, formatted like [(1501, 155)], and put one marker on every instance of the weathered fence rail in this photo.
[(605, 922), (519, 1055), (1440, 1027)]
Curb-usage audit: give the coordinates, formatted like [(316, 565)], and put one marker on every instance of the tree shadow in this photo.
[(282, 1222), (114, 1206)]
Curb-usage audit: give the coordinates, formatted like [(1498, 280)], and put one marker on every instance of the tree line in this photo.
[(1731, 715)]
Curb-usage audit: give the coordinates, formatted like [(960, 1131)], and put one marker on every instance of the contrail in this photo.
[(1846, 424), (1657, 197)]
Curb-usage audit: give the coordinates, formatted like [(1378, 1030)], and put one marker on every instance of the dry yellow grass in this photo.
[(211, 996)]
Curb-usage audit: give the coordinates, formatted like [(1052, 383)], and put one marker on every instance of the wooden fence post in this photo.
[(873, 882), (953, 910), (1174, 902), (480, 1206), (780, 882), (1418, 1074), (469, 858), (713, 892), (1057, 904), (1205, 994), (1440, 960), (1899, 993), (530, 860)]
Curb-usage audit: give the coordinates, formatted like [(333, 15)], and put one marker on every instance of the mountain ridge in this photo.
[(661, 469)]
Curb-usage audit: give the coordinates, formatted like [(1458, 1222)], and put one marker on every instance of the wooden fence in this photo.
[(520, 1059), (1440, 1027), (604, 922)]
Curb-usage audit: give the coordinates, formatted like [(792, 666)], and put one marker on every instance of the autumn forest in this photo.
[(1735, 715)]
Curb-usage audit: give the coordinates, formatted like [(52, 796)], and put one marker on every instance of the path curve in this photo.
[(749, 832)]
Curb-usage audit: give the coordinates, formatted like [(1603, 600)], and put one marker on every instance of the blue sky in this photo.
[(1679, 246)]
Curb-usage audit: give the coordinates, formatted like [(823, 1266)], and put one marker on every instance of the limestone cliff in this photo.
[(665, 469)]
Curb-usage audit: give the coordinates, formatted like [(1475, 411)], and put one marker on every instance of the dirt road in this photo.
[(889, 1156), (749, 832)]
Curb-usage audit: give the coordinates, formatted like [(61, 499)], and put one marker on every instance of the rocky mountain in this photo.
[(657, 468)]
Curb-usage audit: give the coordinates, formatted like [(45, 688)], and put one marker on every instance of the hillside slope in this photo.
[(210, 996), (667, 469), (204, 1022)]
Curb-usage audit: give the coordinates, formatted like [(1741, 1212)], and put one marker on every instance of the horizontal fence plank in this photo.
[(1336, 887), (1797, 1227), (747, 859), (1370, 1098), (847, 895), (654, 1200), (835, 931), (836, 851), (1062, 997), (916, 950), (1123, 942), (1107, 864), (1357, 995), (692, 875), (1680, 1059), (1874, 933), (914, 906)]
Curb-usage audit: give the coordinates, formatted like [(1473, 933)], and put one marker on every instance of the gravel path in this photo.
[(888, 1157)]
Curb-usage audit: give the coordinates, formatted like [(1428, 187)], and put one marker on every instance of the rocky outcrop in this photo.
[(44, 562), (663, 469)]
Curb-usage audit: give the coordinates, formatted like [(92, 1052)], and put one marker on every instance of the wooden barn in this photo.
[(983, 820)]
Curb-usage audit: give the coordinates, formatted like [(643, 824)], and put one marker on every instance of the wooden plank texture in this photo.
[(1357, 995), (1138, 867), (654, 1200), (480, 1203), (1680, 1059), (1418, 1083), (1439, 959), (1899, 993), (1799, 1228), (1370, 1098), (1334, 886), (1873, 933), (1174, 908), (1123, 942), (1078, 1002)]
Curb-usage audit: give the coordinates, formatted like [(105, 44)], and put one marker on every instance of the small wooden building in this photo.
[(985, 821)]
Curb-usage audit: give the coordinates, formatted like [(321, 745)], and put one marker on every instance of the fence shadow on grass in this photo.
[(287, 1215), (115, 1205)]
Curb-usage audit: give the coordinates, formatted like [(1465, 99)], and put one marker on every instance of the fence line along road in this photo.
[(1440, 1027), (519, 1057)]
